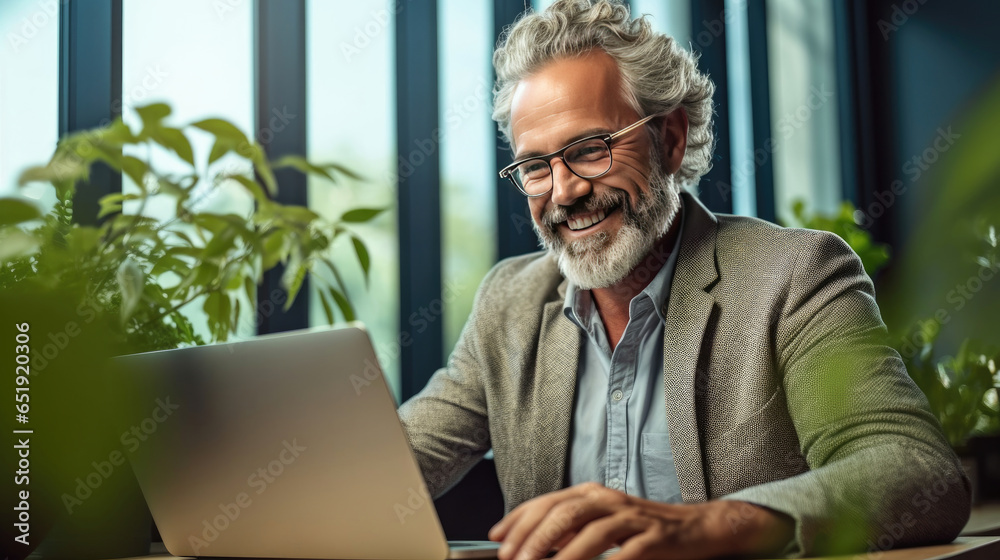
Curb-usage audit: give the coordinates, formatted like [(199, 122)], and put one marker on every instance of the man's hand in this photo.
[(585, 520)]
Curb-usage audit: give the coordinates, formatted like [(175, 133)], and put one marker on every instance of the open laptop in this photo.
[(283, 446)]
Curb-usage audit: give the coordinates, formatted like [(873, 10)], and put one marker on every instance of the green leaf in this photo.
[(220, 244), (263, 168), (117, 133), (336, 273), (16, 211), (360, 215), (294, 283), (130, 283), (175, 140), (252, 186), (343, 304), (62, 168), (81, 240), (217, 309), (223, 130), (153, 113), (236, 314), (274, 249), (296, 214), (363, 258), (219, 149), (170, 263), (136, 170), (342, 170), (327, 310), (302, 164), (251, 289), (17, 243), (217, 223), (112, 203)]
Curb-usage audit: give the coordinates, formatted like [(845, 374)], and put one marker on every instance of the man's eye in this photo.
[(534, 169), (589, 153)]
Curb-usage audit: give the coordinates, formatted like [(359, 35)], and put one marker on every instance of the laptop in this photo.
[(283, 446)]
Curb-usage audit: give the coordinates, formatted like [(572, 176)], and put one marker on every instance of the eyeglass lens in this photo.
[(589, 158)]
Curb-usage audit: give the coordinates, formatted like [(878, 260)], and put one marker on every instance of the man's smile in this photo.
[(583, 221)]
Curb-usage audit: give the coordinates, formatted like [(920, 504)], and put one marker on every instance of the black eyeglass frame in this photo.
[(608, 138)]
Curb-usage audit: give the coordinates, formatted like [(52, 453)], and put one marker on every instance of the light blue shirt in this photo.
[(619, 436)]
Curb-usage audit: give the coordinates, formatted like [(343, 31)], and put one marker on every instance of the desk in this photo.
[(984, 521), (963, 548)]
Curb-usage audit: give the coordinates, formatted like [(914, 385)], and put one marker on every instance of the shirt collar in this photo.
[(578, 304)]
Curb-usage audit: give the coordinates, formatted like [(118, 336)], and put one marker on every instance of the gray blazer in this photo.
[(779, 390)]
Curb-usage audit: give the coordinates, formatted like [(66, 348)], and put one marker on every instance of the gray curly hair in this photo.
[(658, 75)]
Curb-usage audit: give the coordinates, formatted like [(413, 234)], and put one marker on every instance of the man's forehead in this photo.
[(565, 95)]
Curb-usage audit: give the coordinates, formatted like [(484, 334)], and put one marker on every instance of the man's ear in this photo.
[(673, 131)]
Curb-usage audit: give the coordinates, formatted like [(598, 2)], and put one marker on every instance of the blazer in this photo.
[(779, 389)]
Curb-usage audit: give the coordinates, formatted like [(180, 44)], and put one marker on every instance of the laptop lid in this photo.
[(283, 446)]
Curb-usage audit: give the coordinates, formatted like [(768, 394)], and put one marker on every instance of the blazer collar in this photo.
[(688, 311)]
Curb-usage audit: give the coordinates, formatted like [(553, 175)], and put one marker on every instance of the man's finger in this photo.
[(499, 531), (600, 535), (519, 528), (642, 544), (562, 520)]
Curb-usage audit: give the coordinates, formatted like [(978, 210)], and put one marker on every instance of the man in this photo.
[(673, 382)]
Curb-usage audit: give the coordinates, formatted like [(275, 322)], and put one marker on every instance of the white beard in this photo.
[(603, 259)]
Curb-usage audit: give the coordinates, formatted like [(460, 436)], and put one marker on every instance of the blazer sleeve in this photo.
[(446, 423), (881, 473)]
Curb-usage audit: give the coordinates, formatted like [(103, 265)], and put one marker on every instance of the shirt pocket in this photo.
[(659, 474)]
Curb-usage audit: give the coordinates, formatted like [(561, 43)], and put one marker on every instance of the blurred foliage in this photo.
[(962, 390), (951, 262), (144, 271), (873, 255), (959, 199)]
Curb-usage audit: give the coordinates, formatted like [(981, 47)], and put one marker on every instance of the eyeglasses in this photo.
[(586, 158)]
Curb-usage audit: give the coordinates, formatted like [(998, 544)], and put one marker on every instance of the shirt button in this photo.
[(617, 396)]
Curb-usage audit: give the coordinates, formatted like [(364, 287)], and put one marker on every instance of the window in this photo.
[(804, 105), (161, 64), (29, 92), (468, 204), (351, 101)]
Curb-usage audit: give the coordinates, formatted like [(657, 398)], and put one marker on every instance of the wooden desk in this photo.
[(964, 548)]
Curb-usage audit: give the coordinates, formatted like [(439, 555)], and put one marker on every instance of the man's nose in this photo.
[(566, 186)]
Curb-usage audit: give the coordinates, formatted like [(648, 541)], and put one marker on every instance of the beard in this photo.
[(603, 259)]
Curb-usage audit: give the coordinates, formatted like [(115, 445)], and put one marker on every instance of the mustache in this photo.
[(593, 202)]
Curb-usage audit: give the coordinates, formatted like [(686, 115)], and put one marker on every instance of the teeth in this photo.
[(586, 221)]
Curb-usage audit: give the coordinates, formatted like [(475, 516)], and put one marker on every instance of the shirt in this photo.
[(619, 436)]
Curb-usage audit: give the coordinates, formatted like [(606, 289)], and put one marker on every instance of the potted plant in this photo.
[(79, 294)]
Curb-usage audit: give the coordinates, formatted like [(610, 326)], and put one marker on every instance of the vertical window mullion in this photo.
[(90, 85), (708, 37), (760, 95), (280, 65), (418, 190), (515, 236)]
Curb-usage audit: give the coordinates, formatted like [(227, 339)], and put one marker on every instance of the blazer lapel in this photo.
[(555, 388), (688, 311)]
